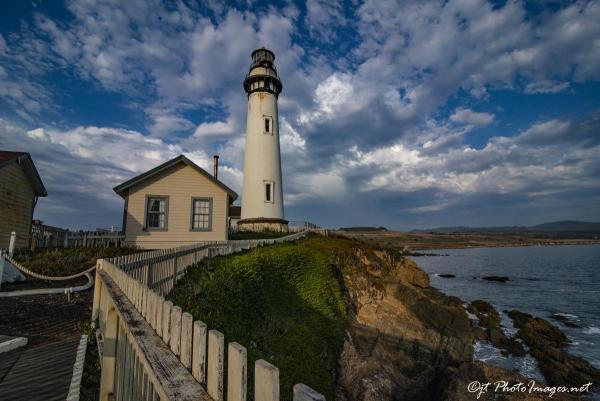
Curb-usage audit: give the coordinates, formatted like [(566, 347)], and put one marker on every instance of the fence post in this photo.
[(166, 318), (236, 372), (107, 381), (11, 246), (175, 271), (159, 313), (199, 352), (149, 279), (186, 339), (1, 265), (216, 351), (150, 311), (175, 340), (97, 290), (304, 393), (266, 381), (145, 293)]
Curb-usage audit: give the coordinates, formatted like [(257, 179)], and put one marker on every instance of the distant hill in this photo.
[(554, 227), (363, 229)]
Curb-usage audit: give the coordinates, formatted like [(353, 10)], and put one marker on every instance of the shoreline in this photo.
[(415, 242), (578, 243)]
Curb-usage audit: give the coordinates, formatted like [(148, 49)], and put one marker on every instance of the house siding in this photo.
[(180, 183), (16, 206)]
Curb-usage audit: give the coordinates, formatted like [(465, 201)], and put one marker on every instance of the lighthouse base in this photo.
[(261, 224)]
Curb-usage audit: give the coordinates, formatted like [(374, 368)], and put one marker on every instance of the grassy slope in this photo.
[(282, 302)]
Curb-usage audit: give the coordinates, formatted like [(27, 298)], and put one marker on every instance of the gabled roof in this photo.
[(120, 189), (26, 162)]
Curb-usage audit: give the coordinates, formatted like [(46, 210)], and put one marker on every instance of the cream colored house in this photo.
[(175, 204), (20, 187)]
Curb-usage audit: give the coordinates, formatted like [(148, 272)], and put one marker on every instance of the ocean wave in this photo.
[(527, 365), (592, 330), (568, 315)]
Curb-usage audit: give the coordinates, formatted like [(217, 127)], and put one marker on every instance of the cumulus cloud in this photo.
[(546, 87), (80, 167), (323, 17), (470, 117)]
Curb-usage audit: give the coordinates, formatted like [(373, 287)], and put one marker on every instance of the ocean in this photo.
[(544, 280)]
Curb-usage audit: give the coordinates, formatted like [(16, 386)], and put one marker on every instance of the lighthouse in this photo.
[(262, 194)]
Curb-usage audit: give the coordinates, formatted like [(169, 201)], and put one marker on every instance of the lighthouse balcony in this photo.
[(262, 83)]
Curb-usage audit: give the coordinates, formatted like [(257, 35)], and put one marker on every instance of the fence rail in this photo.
[(153, 350)]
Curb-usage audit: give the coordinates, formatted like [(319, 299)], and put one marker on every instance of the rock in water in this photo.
[(489, 319), (546, 342), (467, 373), (566, 320), (499, 279)]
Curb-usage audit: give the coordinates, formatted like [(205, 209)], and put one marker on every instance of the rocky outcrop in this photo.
[(468, 383), (547, 344), (408, 341), (489, 320), (403, 334)]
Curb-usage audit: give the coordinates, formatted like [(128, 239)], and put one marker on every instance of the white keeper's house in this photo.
[(179, 203)]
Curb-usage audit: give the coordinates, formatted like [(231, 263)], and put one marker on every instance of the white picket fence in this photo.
[(153, 350)]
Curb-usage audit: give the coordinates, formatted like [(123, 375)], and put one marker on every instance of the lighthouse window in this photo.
[(269, 191), (268, 124)]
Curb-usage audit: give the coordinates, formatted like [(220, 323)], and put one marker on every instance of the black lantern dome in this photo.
[(262, 76)]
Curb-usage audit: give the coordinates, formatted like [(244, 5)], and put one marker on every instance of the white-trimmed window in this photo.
[(269, 191), (268, 125), (157, 209), (201, 219)]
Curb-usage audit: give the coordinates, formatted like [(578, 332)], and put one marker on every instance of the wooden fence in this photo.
[(94, 239), (153, 350), (43, 236)]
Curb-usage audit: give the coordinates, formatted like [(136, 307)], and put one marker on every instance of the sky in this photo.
[(397, 114)]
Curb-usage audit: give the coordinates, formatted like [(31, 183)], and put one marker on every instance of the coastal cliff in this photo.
[(360, 322), (408, 341)]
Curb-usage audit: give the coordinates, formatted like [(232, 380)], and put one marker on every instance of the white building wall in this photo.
[(262, 161)]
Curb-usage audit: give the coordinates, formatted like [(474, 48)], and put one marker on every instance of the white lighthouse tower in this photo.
[(262, 196)]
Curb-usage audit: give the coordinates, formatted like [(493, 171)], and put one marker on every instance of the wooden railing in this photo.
[(153, 350)]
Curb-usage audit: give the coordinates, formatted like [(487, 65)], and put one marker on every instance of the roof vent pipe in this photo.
[(216, 166)]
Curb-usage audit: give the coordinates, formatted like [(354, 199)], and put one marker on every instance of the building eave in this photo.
[(121, 189)]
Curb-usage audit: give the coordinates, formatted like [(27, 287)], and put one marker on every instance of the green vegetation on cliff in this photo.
[(282, 302)]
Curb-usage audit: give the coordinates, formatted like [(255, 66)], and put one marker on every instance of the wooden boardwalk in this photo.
[(42, 372)]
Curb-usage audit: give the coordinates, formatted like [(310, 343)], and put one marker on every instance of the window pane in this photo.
[(268, 192), (201, 214), (156, 205), (153, 220), (267, 125)]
